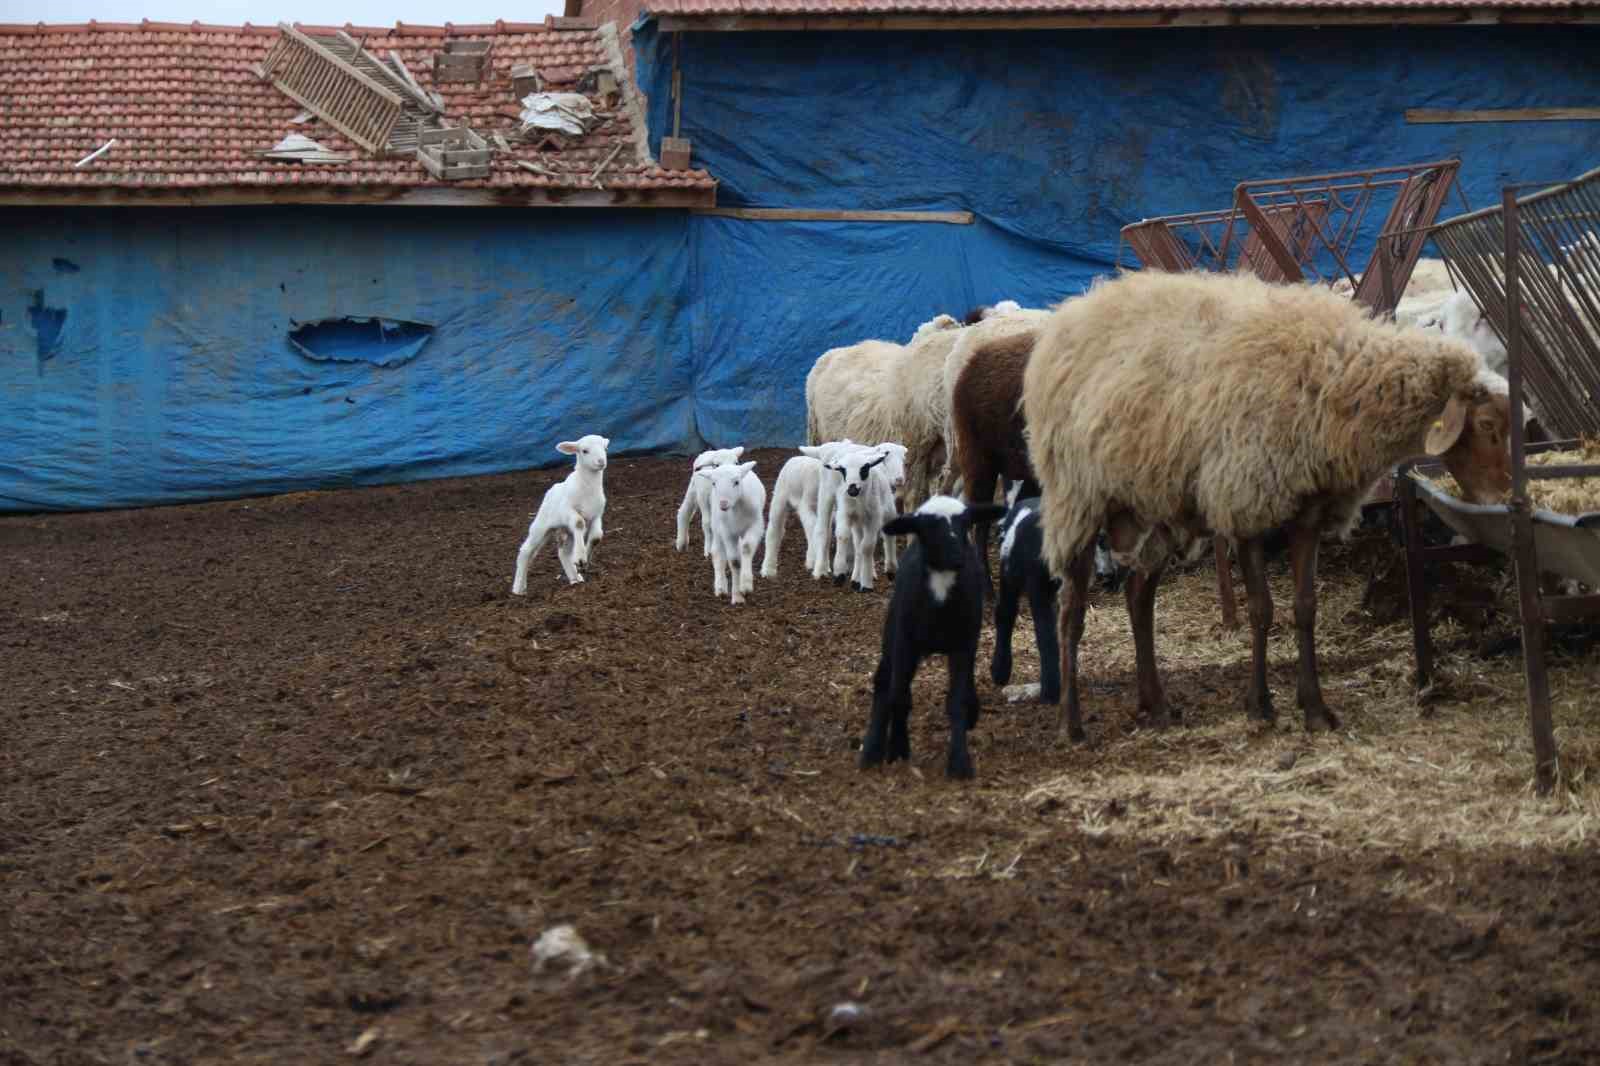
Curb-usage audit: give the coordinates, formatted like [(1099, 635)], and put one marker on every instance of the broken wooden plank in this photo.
[(806, 214), (420, 93), (594, 179), (537, 169), (96, 154), (1511, 114)]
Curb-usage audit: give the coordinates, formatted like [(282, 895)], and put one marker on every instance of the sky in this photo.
[(263, 13)]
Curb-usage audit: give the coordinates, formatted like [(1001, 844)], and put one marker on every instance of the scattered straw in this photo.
[(1578, 495)]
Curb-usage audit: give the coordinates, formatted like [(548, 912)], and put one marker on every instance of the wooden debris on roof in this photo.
[(462, 60), (348, 99), (454, 153)]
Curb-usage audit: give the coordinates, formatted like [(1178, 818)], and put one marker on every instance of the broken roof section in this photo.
[(194, 122)]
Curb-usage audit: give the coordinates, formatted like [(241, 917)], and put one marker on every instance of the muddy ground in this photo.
[(296, 779)]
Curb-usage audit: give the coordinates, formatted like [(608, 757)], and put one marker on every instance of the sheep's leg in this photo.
[(1006, 605), (685, 512), (1042, 603), (719, 568), (980, 490), (865, 549), (567, 549), (537, 531), (705, 522), (891, 705), (824, 524), (808, 523), (1141, 594), (747, 559), (776, 521), (1074, 601), (1303, 540), (961, 705), (1253, 563), (841, 548)]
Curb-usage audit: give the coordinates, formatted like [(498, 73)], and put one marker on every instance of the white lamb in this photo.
[(572, 509), (797, 489), (698, 495), (831, 481), (863, 502), (737, 500)]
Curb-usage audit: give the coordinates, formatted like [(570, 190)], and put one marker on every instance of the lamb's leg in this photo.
[(841, 548), (1141, 595), (866, 550), (531, 544), (567, 549), (705, 522), (1006, 604), (719, 568), (776, 521), (824, 525), (808, 523), (961, 706), (874, 745), (1042, 602), (736, 575), (1074, 601), (1253, 563), (747, 559), (686, 511), (1303, 540), (900, 723)]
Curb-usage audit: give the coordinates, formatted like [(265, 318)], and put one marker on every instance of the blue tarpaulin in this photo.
[(160, 355)]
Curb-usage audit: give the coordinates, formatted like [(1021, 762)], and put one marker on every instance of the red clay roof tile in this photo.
[(186, 108)]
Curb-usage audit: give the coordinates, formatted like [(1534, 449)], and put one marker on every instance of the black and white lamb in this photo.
[(936, 609)]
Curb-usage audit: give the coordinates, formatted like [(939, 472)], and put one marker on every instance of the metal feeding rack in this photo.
[(1532, 265), (1306, 229)]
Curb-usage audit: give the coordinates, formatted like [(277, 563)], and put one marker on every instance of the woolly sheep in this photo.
[(936, 609), (797, 489), (697, 496), (572, 509), (1167, 407), (737, 500)]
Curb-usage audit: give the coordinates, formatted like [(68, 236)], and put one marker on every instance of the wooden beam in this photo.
[(391, 196), (806, 214), (1220, 16), (1511, 114)]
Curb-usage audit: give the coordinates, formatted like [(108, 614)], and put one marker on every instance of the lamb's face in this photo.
[(727, 484), (589, 450), (855, 466), (894, 463)]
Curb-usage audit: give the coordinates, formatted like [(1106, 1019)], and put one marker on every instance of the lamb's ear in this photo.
[(1446, 430), (568, 447), (875, 462), (737, 451), (902, 525), (745, 468)]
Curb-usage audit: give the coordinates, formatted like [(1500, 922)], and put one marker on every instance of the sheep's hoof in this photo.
[(839, 579), (1261, 710), (870, 758), (1320, 719), (1076, 734), (959, 767), (1000, 672)]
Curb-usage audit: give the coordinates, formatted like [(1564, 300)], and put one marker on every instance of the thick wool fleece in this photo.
[(1194, 402)]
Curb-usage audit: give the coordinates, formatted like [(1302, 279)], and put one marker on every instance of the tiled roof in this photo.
[(801, 8), (189, 114)]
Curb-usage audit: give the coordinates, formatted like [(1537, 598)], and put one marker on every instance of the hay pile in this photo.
[(1573, 496)]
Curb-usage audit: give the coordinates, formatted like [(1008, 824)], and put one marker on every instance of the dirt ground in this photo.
[(297, 780)]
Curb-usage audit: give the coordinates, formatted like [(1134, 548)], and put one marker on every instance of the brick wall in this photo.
[(622, 12)]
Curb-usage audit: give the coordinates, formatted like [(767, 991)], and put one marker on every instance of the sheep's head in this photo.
[(717, 457), (726, 483), (941, 525), (589, 450), (855, 465), (894, 462), (1472, 437)]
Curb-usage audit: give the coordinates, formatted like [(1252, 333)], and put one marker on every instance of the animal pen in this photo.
[(1307, 228), (1532, 265)]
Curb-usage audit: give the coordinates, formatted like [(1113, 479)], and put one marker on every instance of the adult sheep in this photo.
[(983, 426), (1169, 407)]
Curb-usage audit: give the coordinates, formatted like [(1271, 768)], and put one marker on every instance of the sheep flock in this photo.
[(1147, 416)]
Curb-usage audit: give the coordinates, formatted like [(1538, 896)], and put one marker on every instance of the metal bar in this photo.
[(1571, 608), (1527, 564), (1416, 583), (1459, 553)]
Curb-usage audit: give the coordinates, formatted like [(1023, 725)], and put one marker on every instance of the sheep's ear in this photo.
[(902, 525), (568, 447), (736, 452), (810, 450), (875, 462), (605, 442), (745, 468), (1446, 430)]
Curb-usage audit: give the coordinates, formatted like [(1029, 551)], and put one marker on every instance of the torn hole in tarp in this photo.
[(351, 339)]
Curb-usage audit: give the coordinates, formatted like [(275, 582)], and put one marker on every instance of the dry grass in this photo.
[(1390, 778)]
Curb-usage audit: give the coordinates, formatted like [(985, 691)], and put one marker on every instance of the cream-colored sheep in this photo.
[(1165, 407), (845, 393)]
